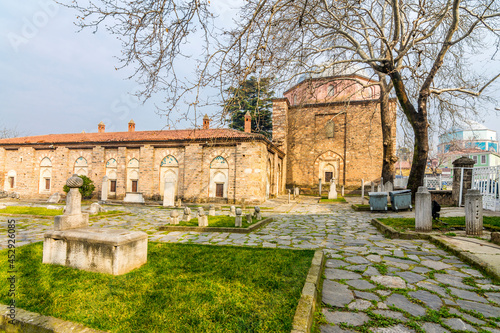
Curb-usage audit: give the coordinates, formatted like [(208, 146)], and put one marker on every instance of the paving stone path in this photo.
[(372, 284)]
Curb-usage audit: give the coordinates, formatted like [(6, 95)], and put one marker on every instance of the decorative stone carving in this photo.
[(333, 191), (174, 217), (423, 210), (202, 218), (238, 219), (187, 214), (473, 213), (257, 213), (169, 194)]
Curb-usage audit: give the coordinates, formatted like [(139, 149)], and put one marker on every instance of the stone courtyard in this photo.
[(371, 283)]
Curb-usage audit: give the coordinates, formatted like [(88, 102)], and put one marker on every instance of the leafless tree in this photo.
[(422, 45), (6, 132)]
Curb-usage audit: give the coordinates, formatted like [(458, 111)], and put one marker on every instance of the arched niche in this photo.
[(133, 175), (10, 180), (81, 166), (111, 173), (219, 178), (45, 183), (169, 171)]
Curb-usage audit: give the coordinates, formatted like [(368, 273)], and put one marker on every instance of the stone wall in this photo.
[(355, 150), (251, 164)]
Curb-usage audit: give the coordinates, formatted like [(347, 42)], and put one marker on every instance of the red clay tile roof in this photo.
[(155, 136)]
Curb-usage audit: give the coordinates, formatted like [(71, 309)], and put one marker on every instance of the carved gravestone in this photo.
[(462, 175), (211, 210), (202, 218), (388, 187), (104, 188), (238, 219), (187, 214), (257, 213), (423, 210), (174, 217), (473, 213), (55, 198), (169, 194), (232, 211), (95, 208), (249, 218), (333, 191)]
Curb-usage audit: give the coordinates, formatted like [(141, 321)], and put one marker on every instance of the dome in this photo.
[(331, 70)]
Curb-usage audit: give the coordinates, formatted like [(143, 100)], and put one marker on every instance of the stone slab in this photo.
[(336, 294), (350, 318), (401, 302)]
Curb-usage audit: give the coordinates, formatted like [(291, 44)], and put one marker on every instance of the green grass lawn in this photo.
[(339, 199), (43, 211), (402, 224), (221, 221), (182, 288)]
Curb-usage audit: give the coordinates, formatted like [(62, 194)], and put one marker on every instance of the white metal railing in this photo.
[(438, 182), (486, 180), (401, 182)]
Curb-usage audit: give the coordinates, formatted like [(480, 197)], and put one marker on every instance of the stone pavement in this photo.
[(371, 283)]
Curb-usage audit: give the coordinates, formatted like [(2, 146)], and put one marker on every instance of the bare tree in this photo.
[(421, 45), (6, 132)]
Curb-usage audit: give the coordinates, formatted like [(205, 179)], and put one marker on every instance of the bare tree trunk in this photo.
[(420, 154), (388, 128)]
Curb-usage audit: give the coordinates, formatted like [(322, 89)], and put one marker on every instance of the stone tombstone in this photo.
[(289, 195), (379, 188), (54, 198), (388, 187), (333, 191), (257, 213), (342, 189), (243, 204), (238, 219), (320, 187), (423, 210), (178, 203), (187, 214), (362, 191), (464, 164), (95, 208), (174, 217), (104, 188), (249, 218), (202, 218), (296, 191), (169, 194), (72, 217), (232, 211), (473, 213), (211, 210)]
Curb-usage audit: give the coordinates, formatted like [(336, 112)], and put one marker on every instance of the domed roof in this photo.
[(331, 70)]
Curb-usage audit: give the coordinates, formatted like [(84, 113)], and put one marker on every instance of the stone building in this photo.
[(329, 127), (216, 165)]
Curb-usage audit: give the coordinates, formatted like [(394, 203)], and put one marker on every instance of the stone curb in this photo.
[(469, 258), (216, 229), (304, 315), (30, 322)]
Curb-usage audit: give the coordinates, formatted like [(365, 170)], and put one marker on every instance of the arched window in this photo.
[(45, 175), (219, 178), (111, 173), (11, 180), (81, 166), (133, 175)]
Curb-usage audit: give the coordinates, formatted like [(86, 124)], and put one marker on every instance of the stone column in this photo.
[(105, 188), (320, 187), (73, 217), (232, 211), (288, 195), (423, 210), (202, 218), (342, 190), (464, 164), (362, 191), (211, 210), (474, 213), (238, 218)]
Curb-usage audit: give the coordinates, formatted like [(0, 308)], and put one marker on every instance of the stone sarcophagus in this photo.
[(72, 243)]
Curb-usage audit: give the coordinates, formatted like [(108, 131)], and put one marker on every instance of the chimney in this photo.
[(131, 125), (248, 122), (206, 122), (101, 127)]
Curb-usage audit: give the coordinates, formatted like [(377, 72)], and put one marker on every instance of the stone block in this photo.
[(96, 250), (54, 198), (423, 210), (95, 208), (495, 237), (66, 222), (133, 197), (473, 213)]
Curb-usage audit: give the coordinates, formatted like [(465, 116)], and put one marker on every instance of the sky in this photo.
[(54, 79)]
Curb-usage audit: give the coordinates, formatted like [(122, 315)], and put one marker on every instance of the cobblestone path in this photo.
[(372, 284)]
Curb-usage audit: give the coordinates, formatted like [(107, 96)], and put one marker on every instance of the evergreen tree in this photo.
[(254, 96)]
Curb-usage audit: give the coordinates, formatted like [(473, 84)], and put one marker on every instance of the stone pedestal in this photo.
[(187, 214), (423, 210), (104, 188), (133, 197), (96, 250), (211, 210), (462, 174), (333, 191), (473, 213), (238, 219), (168, 194), (202, 218), (72, 217)]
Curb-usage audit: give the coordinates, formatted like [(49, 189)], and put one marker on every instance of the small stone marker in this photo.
[(249, 218), (232, 211), (168, 194), (423, 210), (50, 207), (362, 191), (178, 203), (174, 217), (289, 195), (104, 188), (473, 213), (238, 219), (388, 187), (243, 204), (333, 191), (211, 210), (379, 188), (187, 214), (95, 208), (72, 217), (54, 198), (202, 218), (343, 190), (296, 191), (320, 187), (256, 213)]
